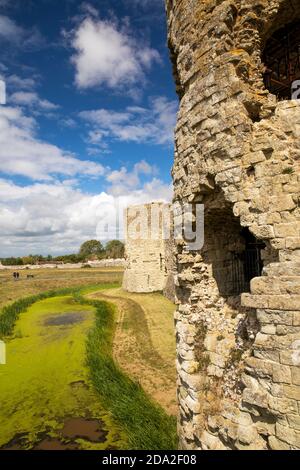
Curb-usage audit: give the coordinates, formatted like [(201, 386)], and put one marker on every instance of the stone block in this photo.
[(211, 442), (282, 202), (277, 444), (259, 367), (268, 329), (296, 375), (254, 157), (274, 317), (194, 381), (263, 231), (286, 230), (288, 435), (246, 434), (296, 318), (256, 397), (292, 391), (294, 421), (215, 371), (282, 405), (193, 405), (276, 302), (286, 357), (282, 374), (292, 243), (264, 428)]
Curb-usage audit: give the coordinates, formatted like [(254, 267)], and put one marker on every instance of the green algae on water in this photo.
[(45, 380)]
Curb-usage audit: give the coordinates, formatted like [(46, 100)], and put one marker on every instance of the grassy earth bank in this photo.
[(145, 423), (144, 342)]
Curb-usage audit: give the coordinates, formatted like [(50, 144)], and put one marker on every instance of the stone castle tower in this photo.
[(149, 249), (237, 150)]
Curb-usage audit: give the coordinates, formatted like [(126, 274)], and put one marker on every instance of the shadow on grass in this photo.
[(145, 423), (135, 322)]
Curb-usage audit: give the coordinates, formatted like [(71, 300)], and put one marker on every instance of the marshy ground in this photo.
[(45, 381), (77, 372)]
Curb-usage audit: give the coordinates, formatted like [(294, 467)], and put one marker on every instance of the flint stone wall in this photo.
[(237, 151)]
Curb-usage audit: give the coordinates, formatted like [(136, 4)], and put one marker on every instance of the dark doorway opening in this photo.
[(281, 58), (246, 264), (232, 252)]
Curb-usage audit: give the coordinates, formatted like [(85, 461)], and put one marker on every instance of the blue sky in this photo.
[(88, 120)]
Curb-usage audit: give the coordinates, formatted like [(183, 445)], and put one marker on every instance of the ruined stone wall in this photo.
[(237, 151), (149, 255)]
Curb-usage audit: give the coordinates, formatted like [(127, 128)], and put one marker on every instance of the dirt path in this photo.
[(144, 344)]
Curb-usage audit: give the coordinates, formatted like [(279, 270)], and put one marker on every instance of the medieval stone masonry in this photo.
[(149, 249), (237, 150)]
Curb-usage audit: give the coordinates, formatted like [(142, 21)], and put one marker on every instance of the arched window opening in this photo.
[(244, 264), (233, 252), (281, 58), (250, 261)]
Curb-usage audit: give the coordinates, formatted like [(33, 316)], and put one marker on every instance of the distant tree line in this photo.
[(91, 250)]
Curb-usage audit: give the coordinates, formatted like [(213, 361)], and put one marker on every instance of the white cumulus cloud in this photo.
[(26, 98), (22, 153), (108, 56), (123, 181), (154, 124), (56, 218)]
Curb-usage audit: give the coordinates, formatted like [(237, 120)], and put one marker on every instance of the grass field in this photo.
[(56, 394), (51, 279)]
